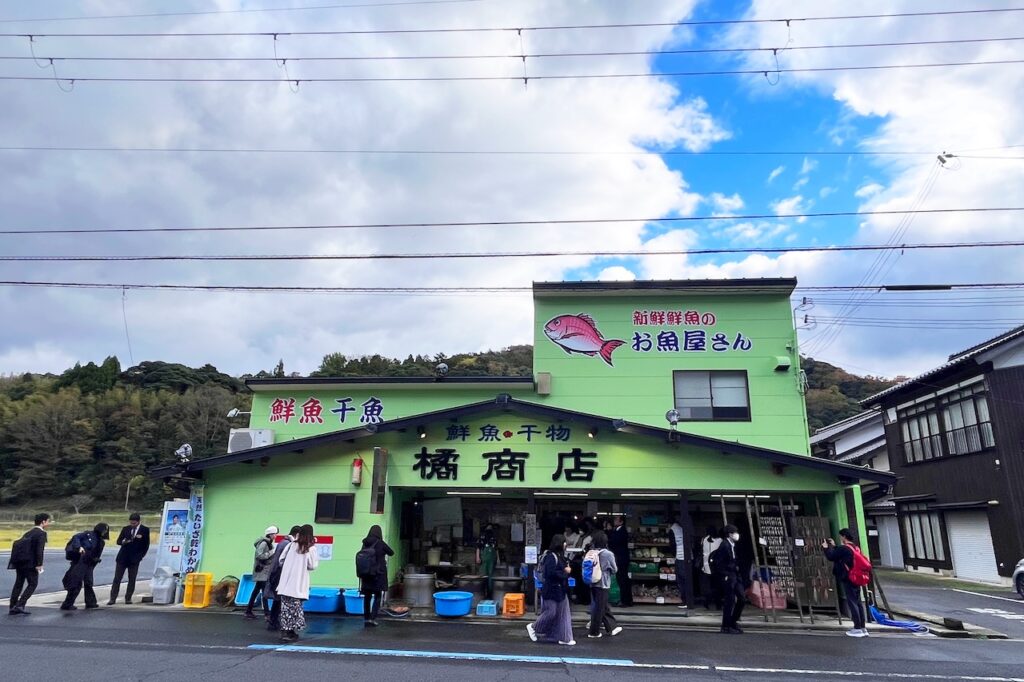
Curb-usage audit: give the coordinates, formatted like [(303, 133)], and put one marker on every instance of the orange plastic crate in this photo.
[(514, 605)]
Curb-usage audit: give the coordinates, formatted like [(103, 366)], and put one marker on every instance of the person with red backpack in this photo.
[(853, 571)]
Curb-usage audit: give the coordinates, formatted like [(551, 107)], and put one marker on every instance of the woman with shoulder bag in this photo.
[(297, 560), (555, 620), (261, 565)]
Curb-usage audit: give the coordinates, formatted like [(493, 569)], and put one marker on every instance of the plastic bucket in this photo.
[(453, 604)]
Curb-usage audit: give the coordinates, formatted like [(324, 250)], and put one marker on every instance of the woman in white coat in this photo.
[(297, 560)]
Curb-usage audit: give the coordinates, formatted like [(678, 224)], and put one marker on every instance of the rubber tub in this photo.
[(453, 604), (353, 602)]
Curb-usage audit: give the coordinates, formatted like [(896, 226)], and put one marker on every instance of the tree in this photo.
[(79, 502), (279, 370)]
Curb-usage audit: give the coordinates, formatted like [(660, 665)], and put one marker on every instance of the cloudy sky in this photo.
[(620, 141)]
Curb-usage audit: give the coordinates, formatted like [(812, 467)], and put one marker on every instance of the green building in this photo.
[(658, 400)]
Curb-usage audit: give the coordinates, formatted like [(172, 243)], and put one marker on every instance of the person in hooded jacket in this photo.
[(87, 548), (554, 623), (297, 560), (270, 589), (374, 587), (261, 565)]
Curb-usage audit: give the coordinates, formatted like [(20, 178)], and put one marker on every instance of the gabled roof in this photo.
[(956, 360), (840, 427), (507, 403)]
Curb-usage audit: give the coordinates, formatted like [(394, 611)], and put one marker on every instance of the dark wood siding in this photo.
[(1007, 409), (975, 477)]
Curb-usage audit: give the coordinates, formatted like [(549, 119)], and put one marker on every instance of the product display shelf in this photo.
[(653, 600), (652, 576)]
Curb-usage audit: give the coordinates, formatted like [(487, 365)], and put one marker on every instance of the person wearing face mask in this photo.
[(84, 552), (725, 572)]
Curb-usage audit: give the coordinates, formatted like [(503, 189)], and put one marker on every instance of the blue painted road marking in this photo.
[(459, 655)]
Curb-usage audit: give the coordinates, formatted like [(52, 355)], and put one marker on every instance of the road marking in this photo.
[(459, 655), (990, 596), (864, 673), (999, 613)]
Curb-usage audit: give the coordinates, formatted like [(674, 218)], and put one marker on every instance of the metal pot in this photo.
[(474, 584), (419, 589)]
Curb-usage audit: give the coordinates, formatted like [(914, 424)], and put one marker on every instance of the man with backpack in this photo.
[(598, 568), (853, 571), (27, 562)]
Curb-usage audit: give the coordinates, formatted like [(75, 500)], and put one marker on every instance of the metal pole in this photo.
[(839, 608), (810, 593), (881, 593), (792, 560), (725, 520), (757, 559)]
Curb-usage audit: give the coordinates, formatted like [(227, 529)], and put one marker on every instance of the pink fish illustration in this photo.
[(579, 334)]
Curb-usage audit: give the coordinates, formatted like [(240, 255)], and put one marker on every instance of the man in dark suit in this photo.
[(134, 543), (618, 543), (725, 571), (27, 562)]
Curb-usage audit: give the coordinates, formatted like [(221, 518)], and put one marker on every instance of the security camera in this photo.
[(184, 453), (441, 370)]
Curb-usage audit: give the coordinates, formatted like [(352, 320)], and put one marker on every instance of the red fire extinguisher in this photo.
[(357, 470)]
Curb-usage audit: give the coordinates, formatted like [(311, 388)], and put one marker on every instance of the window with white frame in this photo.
[(922, 532), (711, 395)]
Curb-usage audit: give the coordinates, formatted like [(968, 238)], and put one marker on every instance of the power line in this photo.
[(503, 223), (413, 290), (507, 55), (237, 11), (516, 29), (514, 254), (548, 77)]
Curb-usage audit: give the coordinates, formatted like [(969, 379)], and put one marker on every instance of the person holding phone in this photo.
[(134, 545)]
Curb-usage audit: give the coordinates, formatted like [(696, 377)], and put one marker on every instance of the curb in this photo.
[(937, 625)]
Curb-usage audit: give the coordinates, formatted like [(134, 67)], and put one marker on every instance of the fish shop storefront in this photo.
[(663, 402)]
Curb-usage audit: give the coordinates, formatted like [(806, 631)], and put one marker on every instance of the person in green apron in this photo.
[(487, 555)]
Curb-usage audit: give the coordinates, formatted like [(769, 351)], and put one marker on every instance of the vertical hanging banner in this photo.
[(196, 518)]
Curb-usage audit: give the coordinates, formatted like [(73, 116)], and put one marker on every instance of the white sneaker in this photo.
[(597, 636), (616, 631), (569, 643), (865, 631), (682, 606), (855, 632), (530, 631)]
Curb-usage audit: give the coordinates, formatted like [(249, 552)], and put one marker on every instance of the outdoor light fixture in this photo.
[(544, 494), (235, 412), (592, 432), (740, 497), (422, 431), (618, 424), (648, 494), (184, 453), (468, 493), (672, 417)]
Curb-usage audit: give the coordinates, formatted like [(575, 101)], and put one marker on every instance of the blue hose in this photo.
[(910, 625)]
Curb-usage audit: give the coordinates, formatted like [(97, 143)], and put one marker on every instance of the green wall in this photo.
[(638, 386)]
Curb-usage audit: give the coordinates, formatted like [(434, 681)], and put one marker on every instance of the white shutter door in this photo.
[(970, 541)]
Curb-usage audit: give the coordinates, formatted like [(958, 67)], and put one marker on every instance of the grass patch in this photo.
[(66, 525)]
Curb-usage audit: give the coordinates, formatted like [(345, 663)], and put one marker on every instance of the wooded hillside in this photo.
[(77, 439)]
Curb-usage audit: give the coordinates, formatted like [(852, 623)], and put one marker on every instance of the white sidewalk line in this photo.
[(990, 596)]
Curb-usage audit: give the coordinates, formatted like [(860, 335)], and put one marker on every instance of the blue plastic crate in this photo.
[(322, 600), (487, 608), (245, 587), (353, 602)]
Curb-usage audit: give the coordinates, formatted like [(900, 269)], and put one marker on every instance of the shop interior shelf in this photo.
[(652, 576), (652, 600), (649, 544)]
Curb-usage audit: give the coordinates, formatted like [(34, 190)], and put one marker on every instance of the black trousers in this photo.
[(684, 583), (83, 580), (371, 604), (27, 578), (258, 590), (625, 583), (733, 602), (133, 572), (275, 615), (600, 614), (709, 592), (852, 595)]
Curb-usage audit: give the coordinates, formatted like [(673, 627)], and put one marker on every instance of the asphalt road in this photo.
[(112, 644), (999, 609), (54, 566)]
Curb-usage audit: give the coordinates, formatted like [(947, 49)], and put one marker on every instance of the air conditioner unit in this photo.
[(247, 439)]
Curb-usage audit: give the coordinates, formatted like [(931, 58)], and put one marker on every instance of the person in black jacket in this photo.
[(725, 571), (842, 561), (28, 565), (374, 587), (618, 543), (87, 548), (555, 620), (134, 544)]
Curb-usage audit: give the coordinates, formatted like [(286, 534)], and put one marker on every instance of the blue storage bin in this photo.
[(353, 602), (487, 608), (322, 600), (245, 587), (453, 603)]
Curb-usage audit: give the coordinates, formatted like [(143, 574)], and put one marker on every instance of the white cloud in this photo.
[(807, 166), (776, 172), (616, 273), (752, 234), (867, 191), (247, 332), (794, 204), (824, 192), (725, 205)]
